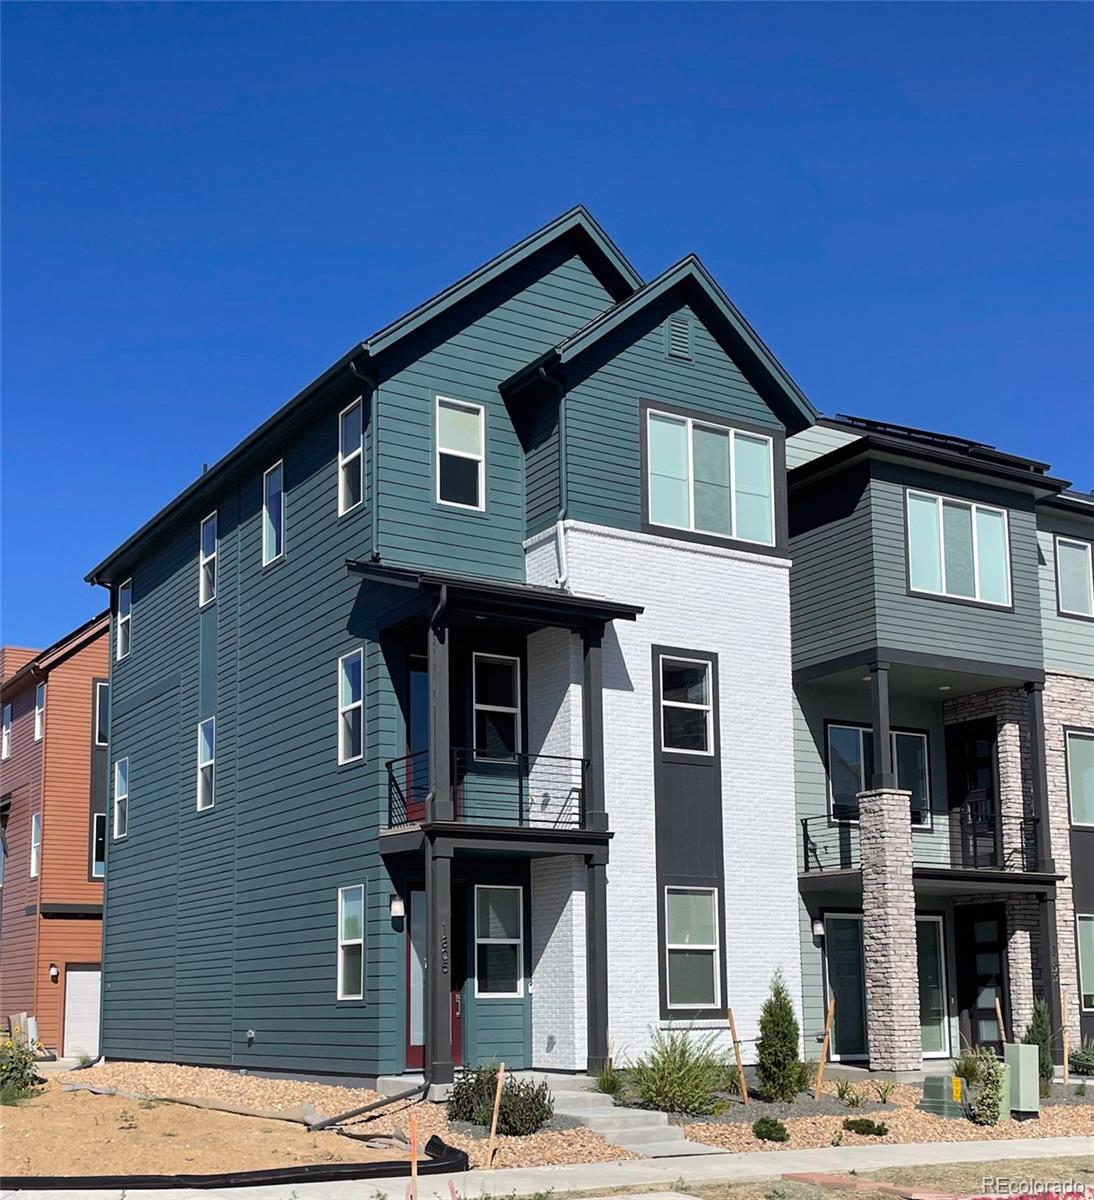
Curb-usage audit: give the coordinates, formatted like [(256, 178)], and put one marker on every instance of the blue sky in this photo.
[(204, 205)]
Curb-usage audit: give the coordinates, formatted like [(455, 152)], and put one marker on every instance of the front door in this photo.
[(981, 936), (934, 1024), (416, 945), (847, 984), (970, 769)]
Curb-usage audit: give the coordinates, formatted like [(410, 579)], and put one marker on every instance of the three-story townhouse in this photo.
[(452, 709)]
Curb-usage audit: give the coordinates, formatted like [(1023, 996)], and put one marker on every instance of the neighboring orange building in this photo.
[(53, 800)]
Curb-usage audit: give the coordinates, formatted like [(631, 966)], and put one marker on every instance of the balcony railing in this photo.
[(961, 839), (536, 791)]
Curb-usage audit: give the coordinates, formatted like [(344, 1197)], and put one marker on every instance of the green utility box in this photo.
[(1022, 1090), (943, 1095)]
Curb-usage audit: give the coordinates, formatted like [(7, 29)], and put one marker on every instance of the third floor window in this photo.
[(1075, 577), (461, 457), (958, 549), (207, 565)]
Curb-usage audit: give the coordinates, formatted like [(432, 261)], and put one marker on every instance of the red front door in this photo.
[(415, 982)]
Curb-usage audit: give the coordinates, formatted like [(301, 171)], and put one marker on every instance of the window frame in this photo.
[(115, 802), (690, 420), (468, 406), (340, 993), (714, 948), (894, 731), (35, 844), (267, 559), (209, 762), (5, 732), (941, 499), (358, 653), (1085, 735), (518, 941), (96, 732), (344, 460), (1088, 547), (125, 621), (1079, 918), (96, 817), (39, 710), (502, 708), (708, 665)]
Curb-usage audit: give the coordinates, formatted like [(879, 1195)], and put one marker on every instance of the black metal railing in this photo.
[(534, 791), (828, 846)]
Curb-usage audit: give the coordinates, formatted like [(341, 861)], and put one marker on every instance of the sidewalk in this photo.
[(664, 1173)]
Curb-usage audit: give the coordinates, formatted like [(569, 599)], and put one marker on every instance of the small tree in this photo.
[(1039, 1033), (780, 1071)]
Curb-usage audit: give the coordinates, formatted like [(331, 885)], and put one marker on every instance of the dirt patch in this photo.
[(988, 1178)]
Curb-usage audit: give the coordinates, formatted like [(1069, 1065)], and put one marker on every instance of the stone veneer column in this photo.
[(889, 931)]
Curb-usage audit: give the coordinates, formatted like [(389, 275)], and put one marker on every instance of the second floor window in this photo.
[(851, 770), (102, 712), (121, 797), (460, 455), (35, 845), (351, 706), (1075, 577), (686, 706), (1080, 776), (125, 618), (496, 702), (710, 478), (98, 845), (39, 711), (958, 549), (207, 564), (207, 752), (273, 513), (5, 745), (349, 458)]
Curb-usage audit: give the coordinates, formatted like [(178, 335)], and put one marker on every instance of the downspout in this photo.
[(563, 580), (371, 382)]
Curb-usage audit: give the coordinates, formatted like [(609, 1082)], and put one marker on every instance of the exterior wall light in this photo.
[(54, 974), (818, 929), (398, 907)]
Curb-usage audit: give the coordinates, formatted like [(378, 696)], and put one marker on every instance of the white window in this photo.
[(35, 844), (692, 970), (351, 706), (349, 457), (125, 618), (207, 754), (1084, 930), (958, 549), (686, 706), (710, 478), (207, 560), (351, 943), (1075, 577), (121, 797), (98, 846), (499, 941), (461, 456), (497, 707), (1080, 776), (102, 712), (39, 711), (851, 769), (5, 746), (273, 513)]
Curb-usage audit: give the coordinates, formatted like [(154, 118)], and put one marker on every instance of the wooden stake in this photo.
[(737, 1056), (413, 1155), (1067, 1039), (999, 1018), (829, 1018), (494, 1118)]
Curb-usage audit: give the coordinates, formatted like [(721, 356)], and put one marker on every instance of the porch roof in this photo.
[(551, 606)]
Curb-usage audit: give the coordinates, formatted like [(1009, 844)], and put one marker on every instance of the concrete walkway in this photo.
[(648, 1174)]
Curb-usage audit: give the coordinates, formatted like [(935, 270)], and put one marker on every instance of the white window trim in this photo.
[(501, 941), (125, 621), (204, 558), (211, 761), (862, 730), (35, 845), (39, 711), (342, 994), (1083, 736), (715, 946), (690, 423), (344, 460), (974, 507), (845, 916), (5, 737), (1079, 917), (708, 708), (480, 411), (277, 466), (95, 819), (345, 708), (476, 707), (99, 740), (947, 1050), (1088, 547), (119, 796)]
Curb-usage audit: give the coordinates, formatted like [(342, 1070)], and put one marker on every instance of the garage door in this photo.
[(82, 1011)]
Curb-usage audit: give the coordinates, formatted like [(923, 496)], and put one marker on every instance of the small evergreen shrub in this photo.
[(987, 1103), (472, 1088), (781, 1072), (865, 1126), (768, 1129), (1039, 1034), (678, 1075), (1082, 1059), (524, 1109)]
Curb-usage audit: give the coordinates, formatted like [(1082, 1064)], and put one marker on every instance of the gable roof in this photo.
[(689, 272), (42, 661)]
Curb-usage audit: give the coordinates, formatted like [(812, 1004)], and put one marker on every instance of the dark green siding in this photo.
[(541, 438)]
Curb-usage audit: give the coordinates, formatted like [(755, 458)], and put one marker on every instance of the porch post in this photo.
[(596, 964), (438, 964), (592, 722), (884, 776), (440, 751)]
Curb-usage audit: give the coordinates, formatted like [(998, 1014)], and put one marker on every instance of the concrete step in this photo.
[(618, 1122), (680, 1149), (576, 1104), (559, 1083)]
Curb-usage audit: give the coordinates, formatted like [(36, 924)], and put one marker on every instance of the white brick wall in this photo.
[(736, 605)]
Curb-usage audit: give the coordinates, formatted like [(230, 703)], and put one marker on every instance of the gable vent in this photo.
[(678, 337)]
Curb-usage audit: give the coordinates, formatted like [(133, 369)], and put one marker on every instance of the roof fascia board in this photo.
[(53, 655)]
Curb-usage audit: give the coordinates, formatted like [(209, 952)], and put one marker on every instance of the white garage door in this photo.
[(82, 1011)]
